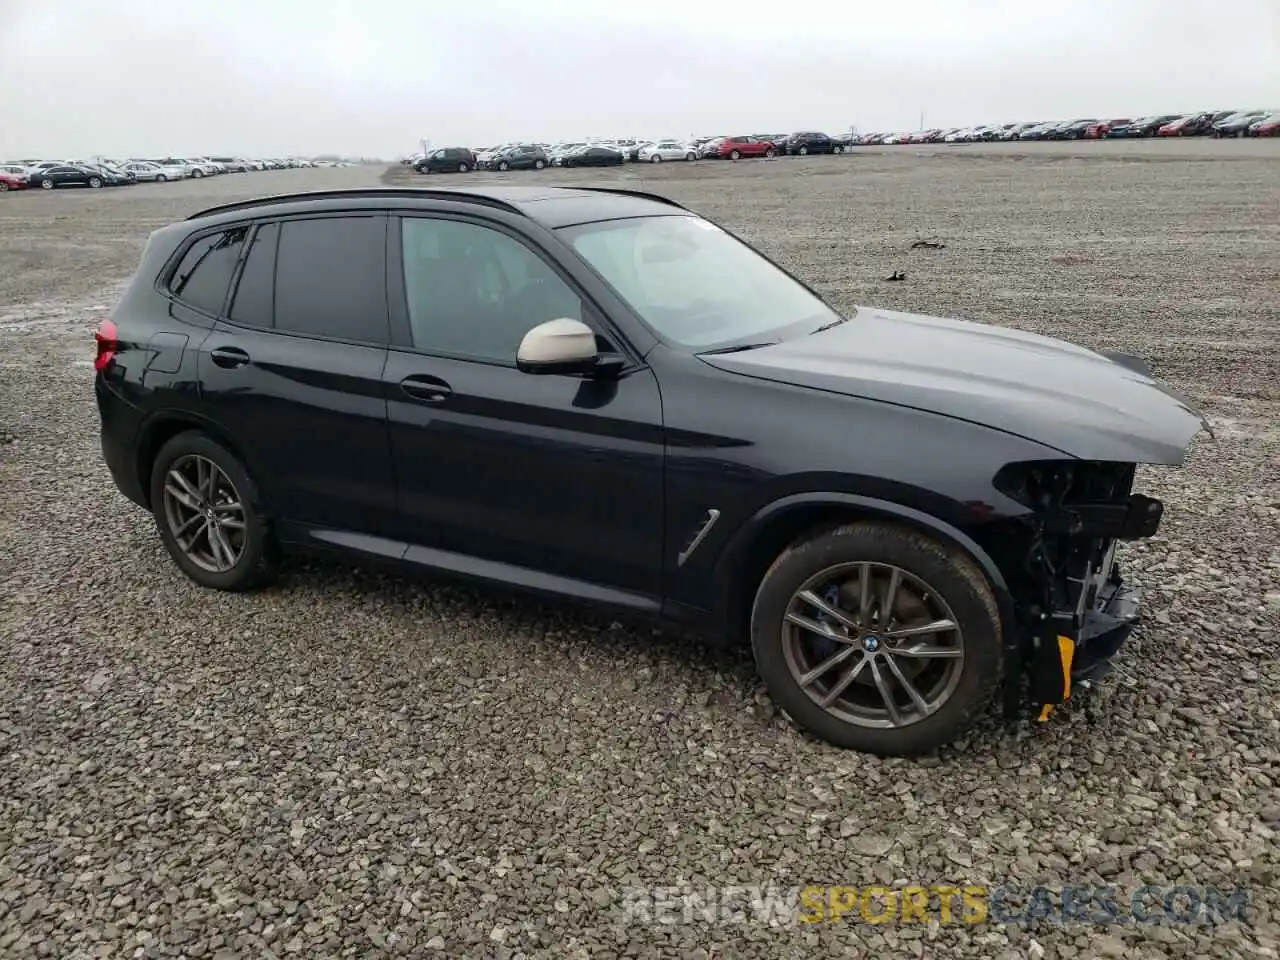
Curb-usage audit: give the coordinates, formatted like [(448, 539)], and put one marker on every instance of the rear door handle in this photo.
[(427, 389), (229, 357)]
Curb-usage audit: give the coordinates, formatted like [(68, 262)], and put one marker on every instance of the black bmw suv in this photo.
[(599, 395)]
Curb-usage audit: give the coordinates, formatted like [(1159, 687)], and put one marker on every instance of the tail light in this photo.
[(105, 338)]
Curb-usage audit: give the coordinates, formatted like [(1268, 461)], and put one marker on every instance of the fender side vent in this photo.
[(698, 536)]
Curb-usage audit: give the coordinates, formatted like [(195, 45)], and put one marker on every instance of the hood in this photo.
[(1074, 400)]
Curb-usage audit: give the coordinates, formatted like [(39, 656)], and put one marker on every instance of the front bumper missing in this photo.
[(1070, 651)]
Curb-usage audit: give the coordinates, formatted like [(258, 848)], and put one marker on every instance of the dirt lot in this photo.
[(353, 765)]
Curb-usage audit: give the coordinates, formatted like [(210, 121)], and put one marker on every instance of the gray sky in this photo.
[(276, 77)]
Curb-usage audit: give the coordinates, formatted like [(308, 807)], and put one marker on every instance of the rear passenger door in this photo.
[(292, 373)]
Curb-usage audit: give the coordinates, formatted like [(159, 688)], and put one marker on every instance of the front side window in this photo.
[(694, 284), (474, 292), (204, 273), (331, 278)]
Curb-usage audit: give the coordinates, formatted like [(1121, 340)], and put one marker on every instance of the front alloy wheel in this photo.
[(873, 644), (877, 637)]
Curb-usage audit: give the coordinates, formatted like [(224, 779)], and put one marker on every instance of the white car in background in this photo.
[(667, 150), (145, 171)]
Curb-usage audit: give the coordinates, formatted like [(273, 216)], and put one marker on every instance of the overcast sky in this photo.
[(273, 77)]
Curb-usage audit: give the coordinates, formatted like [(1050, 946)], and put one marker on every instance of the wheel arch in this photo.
[(757, 543), (161, 427)]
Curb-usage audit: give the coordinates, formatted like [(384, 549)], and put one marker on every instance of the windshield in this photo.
[(694, 284)]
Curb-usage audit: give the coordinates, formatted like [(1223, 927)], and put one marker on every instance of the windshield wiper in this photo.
[(739, 347), (833, 323)]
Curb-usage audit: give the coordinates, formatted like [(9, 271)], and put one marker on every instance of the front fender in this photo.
[(731, 557)]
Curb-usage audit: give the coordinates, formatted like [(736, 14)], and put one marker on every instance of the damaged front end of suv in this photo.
[(1073, 606)]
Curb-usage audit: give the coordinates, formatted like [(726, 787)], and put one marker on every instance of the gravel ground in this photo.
[(354, 765)]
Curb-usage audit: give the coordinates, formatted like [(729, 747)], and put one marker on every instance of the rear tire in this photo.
[(656, 158), (690, 156), (946, 573), (463, 168), (504, 166), (257, 561), (539, 164), (4, 187)]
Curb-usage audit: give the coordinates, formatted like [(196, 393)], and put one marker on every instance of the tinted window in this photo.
[(475, 292), (254, 292), (330, 278), (204, 273)]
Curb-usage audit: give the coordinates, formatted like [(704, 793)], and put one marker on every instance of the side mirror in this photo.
[(559, 346)]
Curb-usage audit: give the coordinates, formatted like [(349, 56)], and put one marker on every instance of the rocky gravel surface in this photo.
[(353, 765)]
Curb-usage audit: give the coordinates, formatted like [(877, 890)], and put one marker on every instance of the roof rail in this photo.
[(361, 192), (641, 194)]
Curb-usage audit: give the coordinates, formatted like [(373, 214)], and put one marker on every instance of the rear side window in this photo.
[(204, 274), (255, 292), (331, 278)]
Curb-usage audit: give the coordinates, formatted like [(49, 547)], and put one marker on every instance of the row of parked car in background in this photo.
[(612, 152), (1208, 123), (106, 172), (601, 153)]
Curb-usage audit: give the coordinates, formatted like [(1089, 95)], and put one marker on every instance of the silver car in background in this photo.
[(668, 149)]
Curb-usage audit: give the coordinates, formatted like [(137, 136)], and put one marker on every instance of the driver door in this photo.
[(547, 480)]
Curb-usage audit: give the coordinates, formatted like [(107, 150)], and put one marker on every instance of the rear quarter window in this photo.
[(203, 275)]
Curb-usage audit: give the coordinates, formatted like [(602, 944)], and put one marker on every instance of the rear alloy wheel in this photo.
[(4, 186), (770, 153), (206, 509), (877, 638), (837, 149), (463, 168)]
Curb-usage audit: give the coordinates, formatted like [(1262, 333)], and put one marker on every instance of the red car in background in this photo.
[(1268, 126), (1096, 131), (11, 181), (733, 148), (1192, 125)]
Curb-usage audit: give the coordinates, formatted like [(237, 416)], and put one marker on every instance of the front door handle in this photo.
[(229, 357), (426, 389)]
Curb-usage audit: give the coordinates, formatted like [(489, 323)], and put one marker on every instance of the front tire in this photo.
[(46, 184), (504, 166), (656, 158), (161, 178), (538, 164), (463, 168), (690, 156), (837, 634), (734, 155), (209, 515)]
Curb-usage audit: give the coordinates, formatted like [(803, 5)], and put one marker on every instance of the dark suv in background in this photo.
[(600, 395), (805, 143), (447, 160), (526, 156)]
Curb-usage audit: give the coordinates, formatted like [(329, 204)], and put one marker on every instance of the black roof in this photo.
[(550, 206)]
